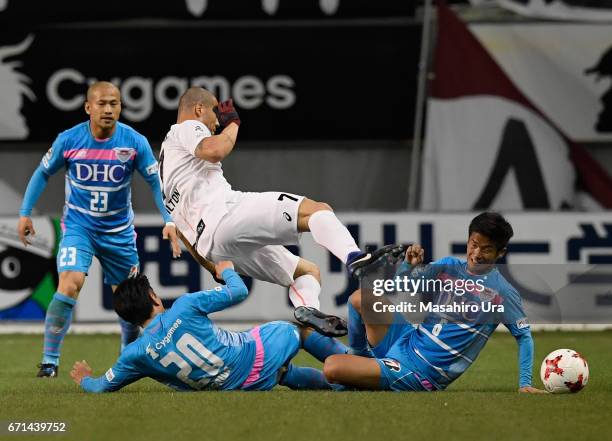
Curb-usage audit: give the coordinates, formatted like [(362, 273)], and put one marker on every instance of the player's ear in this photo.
[(156, 300), (87, 108), (501, 253)]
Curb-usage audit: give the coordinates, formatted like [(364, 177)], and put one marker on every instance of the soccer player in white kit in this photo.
[(219, 223)]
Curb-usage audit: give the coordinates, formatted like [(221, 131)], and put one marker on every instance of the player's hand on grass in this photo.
[(531, 390), (80, 370), (222, 266), (227, 114), (169, 233), (25, 228), (415, 254)]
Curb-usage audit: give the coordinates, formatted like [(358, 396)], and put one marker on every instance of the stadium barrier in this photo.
[(27, 275)]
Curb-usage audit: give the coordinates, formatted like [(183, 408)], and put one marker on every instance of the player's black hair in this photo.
[(132, 301), (494, 226)]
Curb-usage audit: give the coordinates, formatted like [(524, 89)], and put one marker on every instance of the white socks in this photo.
[(305, 291), (330, 233)]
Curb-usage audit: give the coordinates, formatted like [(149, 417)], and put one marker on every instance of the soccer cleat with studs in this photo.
[(328, 325), (357, 266), (47, 370)]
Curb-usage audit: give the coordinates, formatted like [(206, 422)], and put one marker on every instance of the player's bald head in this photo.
[(102, 88), (194, 96)]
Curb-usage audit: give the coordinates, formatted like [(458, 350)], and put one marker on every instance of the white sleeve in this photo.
[(190, 133)]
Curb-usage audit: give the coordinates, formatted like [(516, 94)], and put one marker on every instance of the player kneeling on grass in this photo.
[(400, 357), (182, 348)]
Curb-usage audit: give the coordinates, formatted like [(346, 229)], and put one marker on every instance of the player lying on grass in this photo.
[(182, 348), (391, 354)]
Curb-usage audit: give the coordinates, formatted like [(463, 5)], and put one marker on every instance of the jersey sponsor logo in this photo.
[(392, 364), (100, 172), (162, 344), (154, 355), (522, 323), (173, 201), (152, 169), (123, 154), (47, 157), (13, 88), (110, 375)]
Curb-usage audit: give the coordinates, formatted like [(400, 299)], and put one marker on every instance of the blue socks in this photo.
[(304, 378), (129, 333), (322, 347), (357, 338), (57, 322)]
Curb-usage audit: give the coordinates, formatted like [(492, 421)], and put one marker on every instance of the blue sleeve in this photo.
[(222, 297), (124, 372), (147, 166), (37, 184), (516, 322), (51, 162), (525, 349)]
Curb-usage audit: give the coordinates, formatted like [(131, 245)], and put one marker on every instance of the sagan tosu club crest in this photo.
[(123, 154)]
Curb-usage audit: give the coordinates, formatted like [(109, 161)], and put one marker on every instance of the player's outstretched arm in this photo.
[(234, 284), (221, 297), (525, 347), (37, 184), (114, 379), (147, 166)]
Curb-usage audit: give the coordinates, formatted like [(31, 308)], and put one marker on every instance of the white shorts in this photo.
[(253, 233)]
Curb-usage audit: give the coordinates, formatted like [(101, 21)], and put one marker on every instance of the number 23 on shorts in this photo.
[(67, 256)]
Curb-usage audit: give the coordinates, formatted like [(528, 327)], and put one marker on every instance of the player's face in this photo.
[(482, 253), (208, 116), (103, 108)]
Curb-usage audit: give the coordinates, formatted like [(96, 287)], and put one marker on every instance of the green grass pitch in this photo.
[(482, 405)]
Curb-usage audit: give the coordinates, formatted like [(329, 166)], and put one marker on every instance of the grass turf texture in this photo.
[(482, 404)]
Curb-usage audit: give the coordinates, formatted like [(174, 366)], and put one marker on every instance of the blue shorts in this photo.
[(398, 371), (116, 252), (276, 344)]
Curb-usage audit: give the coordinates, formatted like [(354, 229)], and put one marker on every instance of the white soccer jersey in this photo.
[(195, 190)]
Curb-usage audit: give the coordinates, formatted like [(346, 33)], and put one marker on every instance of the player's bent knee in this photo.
[(323, 206), (332, 369), (305, 267), (70, 283)]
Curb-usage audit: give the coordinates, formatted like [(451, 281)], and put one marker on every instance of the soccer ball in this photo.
[(564, 371)]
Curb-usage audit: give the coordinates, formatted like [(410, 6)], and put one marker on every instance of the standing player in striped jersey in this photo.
[(100, 156), (218, 223), (431, 356)]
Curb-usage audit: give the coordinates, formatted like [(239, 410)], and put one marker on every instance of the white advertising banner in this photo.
[(541, 239)]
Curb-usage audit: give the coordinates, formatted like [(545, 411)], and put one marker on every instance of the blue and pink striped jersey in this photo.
[(98, 177), (444, 346), (183, 349)]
